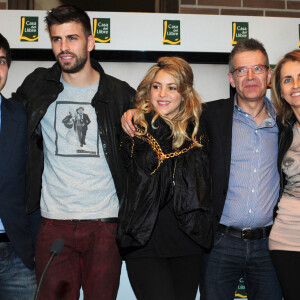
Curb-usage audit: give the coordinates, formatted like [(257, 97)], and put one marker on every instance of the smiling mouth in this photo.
[(163, 102), (66, 57), (251, 85), (295, 94)]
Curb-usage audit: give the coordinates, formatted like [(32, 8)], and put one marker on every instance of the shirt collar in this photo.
[(269, 105)]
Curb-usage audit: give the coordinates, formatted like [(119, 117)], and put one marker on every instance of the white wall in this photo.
[(210, 80)]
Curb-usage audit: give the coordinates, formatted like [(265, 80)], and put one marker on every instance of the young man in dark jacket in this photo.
[(78, 186), (17, 276)]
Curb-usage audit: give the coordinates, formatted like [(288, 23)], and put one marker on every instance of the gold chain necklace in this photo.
[(148, 138)]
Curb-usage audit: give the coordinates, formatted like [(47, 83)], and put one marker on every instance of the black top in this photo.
[(167, 240), (158, 218)]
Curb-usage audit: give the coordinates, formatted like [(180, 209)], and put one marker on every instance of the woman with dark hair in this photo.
[(284, 241), (165, 221)]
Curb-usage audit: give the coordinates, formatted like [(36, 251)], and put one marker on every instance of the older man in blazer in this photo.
[(243, 159), (17, 276)]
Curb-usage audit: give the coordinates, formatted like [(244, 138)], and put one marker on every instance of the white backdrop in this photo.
[(210, 80), (144, 32)]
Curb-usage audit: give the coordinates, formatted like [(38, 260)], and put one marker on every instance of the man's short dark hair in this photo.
[(4, 45), (247, 45), (68, 13)]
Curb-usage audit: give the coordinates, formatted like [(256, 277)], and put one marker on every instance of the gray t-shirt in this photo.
[(76, 182)]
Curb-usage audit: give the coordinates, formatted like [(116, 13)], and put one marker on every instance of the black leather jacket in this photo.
[(40, 89), (285, 139), (150, 187)]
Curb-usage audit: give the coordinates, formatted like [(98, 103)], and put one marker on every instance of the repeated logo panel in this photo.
[(29, 29), (101, 31), (240, 31), (171, 32)]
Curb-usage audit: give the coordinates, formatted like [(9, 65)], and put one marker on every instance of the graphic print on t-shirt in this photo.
[(76, 129), (290, 166)]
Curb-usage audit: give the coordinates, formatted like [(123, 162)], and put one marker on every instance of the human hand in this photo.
[(127, 123)]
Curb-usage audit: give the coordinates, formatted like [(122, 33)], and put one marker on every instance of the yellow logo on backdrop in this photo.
[(29, 29), (240, 31), (171, 32), (240, 293), (299, 36), (102, 30)]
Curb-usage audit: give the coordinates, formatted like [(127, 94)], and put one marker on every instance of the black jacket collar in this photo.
[(54, 74)]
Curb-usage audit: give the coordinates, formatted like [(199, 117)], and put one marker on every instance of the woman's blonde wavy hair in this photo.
[(284, 110), (190, 108)]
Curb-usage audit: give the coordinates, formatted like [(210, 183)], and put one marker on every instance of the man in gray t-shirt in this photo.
[(74, 111)]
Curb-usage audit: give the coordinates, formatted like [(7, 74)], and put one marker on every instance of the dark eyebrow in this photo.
[(72, 35), (3, 57), (68, 36), (54, 37), (288, 76), (157, 82), (255, 65)]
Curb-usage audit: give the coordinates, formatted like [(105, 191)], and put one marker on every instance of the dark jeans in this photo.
[(16, 280), (287, 265), (165, 278), (90, 258), (232, 258)]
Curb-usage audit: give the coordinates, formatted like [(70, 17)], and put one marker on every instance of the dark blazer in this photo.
[(217, 120), (12, 180)]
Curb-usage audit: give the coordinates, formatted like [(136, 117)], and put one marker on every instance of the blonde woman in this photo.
[(165, 221), (284, 241)]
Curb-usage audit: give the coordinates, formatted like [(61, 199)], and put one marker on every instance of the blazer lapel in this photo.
[(226, 117)]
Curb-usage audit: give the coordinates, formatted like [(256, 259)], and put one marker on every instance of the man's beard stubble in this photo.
[(72, 68)]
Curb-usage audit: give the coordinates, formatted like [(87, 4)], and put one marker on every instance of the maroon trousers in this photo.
[(90, 259)]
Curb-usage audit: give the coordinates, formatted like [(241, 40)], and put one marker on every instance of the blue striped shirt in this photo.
[(254, 179), (1, 224)]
